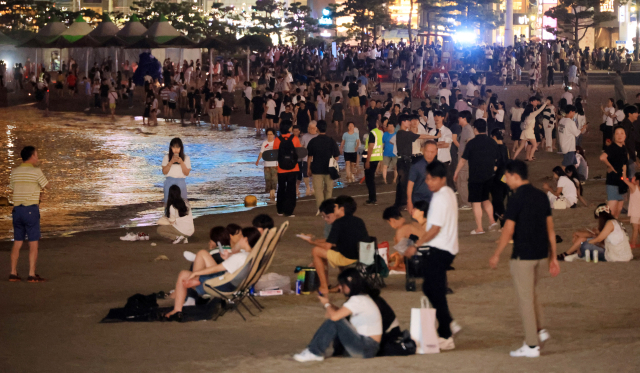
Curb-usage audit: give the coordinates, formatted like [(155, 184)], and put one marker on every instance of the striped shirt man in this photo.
[(27, 181)]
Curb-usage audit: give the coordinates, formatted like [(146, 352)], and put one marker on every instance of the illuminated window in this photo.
[(517, 5), (607, 6)]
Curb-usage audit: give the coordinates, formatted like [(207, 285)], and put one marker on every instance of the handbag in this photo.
[(560, 203), (423, 328), (164, 221), (334, 169)]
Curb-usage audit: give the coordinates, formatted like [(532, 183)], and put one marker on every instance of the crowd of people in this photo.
[(447, 153)]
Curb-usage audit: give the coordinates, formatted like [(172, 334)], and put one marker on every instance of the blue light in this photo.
[(325, 21), (326, 12)]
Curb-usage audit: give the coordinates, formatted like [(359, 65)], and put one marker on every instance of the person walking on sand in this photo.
[(27, 182), (529, 223)]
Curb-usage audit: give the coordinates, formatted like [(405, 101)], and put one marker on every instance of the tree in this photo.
[(368, 16), (575, 17), (16, 15), (267, 15), (473, 14), (439, 18), (299, 23)]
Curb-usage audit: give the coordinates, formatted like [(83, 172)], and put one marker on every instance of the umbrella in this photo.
[(180, 41), (132, 30), (144, 43), (77, 30), (211, 43), (162, 31), (260, 42), (105, 30)]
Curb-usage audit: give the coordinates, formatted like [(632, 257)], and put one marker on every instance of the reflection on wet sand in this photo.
[(106, 174)]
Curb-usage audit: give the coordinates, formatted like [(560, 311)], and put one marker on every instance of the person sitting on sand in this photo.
[(404, 230), (356, 325), (566, 188), (197, 278), (609, 241), (327, 211), (179, 214), (342, 245)]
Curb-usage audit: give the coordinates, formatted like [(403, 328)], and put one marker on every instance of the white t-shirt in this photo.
[(480, 114), (443, 212), (248, 92), (619, 116), (176, 169), (365, 315), (567, 133), (569, 190), (184, 224), (235, 261), (569, 97), (516, 114), (500, 116), (444, 154), (443, 92), (606, 117), (266, 146), (231, 84), (271, 107)]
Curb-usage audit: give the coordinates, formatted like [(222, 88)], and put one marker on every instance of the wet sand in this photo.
[(591, 309)]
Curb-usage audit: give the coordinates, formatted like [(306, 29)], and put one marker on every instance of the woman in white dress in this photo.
[(529, 118)]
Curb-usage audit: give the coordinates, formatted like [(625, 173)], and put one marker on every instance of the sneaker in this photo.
[(455, 327), (543, 335), (178, 240), (371, 203), (130, 237), (142, 236), (464, 208), (290, 216), (189, 256), (185, 240), (474, 232), (446, 344), (526, 351), (570, 258), (279, 214), (494, 226), (306, 356)]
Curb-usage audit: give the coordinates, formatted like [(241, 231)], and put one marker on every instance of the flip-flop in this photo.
[(14, 278), (473, 232), (35, 278)]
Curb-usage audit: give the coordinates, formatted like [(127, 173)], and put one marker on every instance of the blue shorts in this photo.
[(569, 159), (26, 223), (224, 288), (586, 245), (613, 194)]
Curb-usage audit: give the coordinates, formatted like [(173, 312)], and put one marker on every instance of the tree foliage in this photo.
[(473, 14), (29, 15), (575, 17), (267, 16), (299, 24), (369, 16)]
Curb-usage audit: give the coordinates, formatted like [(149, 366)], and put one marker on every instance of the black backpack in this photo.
[(287, 156)]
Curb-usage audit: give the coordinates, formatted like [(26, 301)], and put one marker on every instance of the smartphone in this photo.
[(320, 294)]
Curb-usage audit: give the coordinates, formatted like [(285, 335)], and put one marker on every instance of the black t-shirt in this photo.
[(322, 148), (258, 104), (286, 116), (482, 154), (353, 90), (347, 233), (104, 90), (456, 129), (404, 139), (617, 156), (529, 208), (372, 116)]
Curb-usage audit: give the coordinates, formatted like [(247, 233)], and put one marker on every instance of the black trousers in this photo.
[(499, 191), (404, 165), (436, 262), (549, 80), (286, 195), (247, 105), (370, 179)]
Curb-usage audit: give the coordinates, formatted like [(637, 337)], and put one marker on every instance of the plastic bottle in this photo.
[(587, 256), (595, 256)]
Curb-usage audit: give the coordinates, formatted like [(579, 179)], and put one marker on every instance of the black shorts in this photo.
[(226, 111), (363, 100), (172, 105), (515, 131), (303, 170), (350, 157), (257, 115), (479, 192), (272, 117), (165, 102)]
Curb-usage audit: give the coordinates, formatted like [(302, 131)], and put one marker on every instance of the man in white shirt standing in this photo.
[(567, 133), (567, 96), (441, 239), (445, 139), (444, 92)]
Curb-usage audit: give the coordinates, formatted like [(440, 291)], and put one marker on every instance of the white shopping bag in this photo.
[(423, 328)]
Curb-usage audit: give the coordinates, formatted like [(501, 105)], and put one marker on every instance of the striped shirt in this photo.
[(26, 182)]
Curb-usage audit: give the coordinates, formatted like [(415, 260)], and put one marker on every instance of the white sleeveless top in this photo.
[(617, 248)]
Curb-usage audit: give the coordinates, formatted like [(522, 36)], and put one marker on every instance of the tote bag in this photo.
[(423, 328)]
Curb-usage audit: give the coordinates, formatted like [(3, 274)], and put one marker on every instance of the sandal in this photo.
[(14, 278), (178, 316), (35, 278)]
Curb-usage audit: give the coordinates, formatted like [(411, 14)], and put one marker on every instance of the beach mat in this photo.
[(144, 308)]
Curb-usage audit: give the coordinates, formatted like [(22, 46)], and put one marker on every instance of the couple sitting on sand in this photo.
[(209, 264)]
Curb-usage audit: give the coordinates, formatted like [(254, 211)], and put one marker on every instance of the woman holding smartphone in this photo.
[(176, 166)]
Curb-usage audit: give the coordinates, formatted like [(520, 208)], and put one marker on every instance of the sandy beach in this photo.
[(591, 309)]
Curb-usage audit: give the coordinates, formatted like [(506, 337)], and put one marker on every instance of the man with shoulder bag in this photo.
[(322, 149), (288, 169)]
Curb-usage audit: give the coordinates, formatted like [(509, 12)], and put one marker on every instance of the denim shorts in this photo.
[(586, 245), (224, 288), (613, 194), (569, 159), (26, 223)]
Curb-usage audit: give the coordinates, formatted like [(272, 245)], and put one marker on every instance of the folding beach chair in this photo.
[(368, 263), (248, 275)]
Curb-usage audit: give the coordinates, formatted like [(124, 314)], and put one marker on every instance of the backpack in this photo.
[(287, 156)]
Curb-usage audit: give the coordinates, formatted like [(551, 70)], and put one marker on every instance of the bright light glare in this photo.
[(465, 37), (326, 12)]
